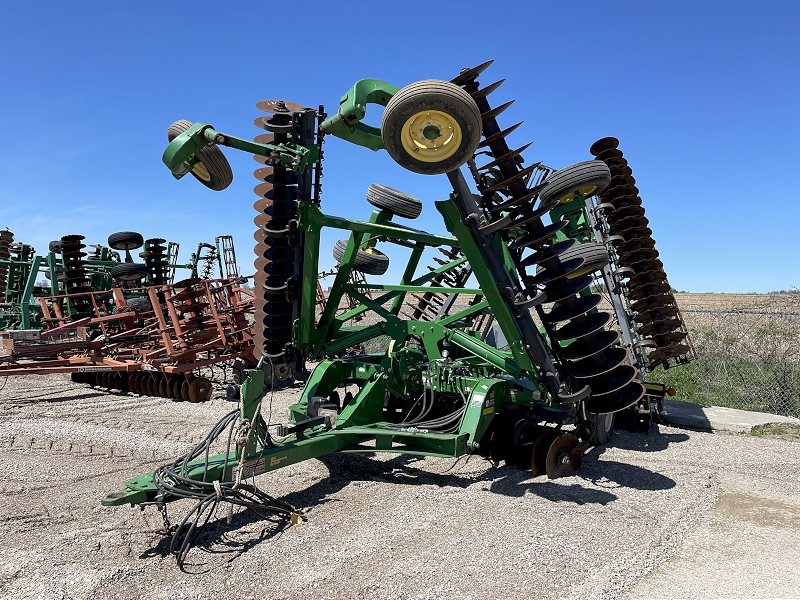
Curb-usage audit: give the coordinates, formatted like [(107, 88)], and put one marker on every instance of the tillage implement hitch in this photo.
[(521, 368)]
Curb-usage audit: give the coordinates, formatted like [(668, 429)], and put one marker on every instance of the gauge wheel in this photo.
[(588, 177), (212, 169), (370, 262), (431, 127), (129, 272), (393, 201), (125, 240)]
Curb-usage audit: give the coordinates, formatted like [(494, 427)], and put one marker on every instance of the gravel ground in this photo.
[(657, 515)]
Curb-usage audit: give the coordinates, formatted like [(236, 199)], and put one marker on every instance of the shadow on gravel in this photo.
[(68, 398), (615, 474), (216, 539), (655, 441)]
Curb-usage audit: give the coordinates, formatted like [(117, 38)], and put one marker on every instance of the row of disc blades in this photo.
[(646, 287), (529, 446), (6, 239), (592, 356), (155, 258), (276, 255), (76, 280), (150, 383), (429, 303)]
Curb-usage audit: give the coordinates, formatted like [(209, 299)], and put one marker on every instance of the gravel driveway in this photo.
[(671, 514)]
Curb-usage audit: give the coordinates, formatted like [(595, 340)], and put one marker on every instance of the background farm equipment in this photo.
[(73, 273), (151, 344), (530, 373)]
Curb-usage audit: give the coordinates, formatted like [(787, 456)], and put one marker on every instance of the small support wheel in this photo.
[(212, 169), (431, 127), (129, 272), (371, 262), (393, 201), (124, 240), (588, 177)]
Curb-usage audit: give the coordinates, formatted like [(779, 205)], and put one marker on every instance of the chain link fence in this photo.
[(748, 352)]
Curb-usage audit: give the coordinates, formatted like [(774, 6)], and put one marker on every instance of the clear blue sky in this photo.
[(703, 96)]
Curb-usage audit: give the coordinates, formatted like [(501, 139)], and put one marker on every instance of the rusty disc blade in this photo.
[(262, 188), (606, 143), (278, 106), (185, 390), (199, 390), (559, 462), (540, 450), (262, 173)]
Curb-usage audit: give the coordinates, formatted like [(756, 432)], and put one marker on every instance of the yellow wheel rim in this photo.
[(431, 136), (586, 191), (200, 170)]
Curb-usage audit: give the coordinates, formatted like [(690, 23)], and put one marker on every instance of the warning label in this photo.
[(253, 467)]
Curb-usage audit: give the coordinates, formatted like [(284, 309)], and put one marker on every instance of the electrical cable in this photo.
[(173, 480)]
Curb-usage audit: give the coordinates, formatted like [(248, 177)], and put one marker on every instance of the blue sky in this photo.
[(703, 97)]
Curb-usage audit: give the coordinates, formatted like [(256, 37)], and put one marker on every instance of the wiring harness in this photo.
[(174, 483)]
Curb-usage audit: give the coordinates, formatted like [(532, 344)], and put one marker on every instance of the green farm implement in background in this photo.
[(505, 352), (72, 275)]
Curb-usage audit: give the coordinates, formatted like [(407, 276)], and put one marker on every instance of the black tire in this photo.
[(589, 177), (394, 201), (129, 272), (603, 428), (141, 304), (214, 170), (595, 258), (431, 95), (125, 240), (373, 262), (55, 246)]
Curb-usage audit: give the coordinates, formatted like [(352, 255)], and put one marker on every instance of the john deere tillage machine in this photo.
[(525, 369)]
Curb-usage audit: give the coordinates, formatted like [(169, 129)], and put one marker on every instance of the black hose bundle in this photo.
[(173, 481)]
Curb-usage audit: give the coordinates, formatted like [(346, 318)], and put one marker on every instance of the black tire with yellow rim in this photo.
[(588, 178), (431, 127), (370, 262), (212, 168)]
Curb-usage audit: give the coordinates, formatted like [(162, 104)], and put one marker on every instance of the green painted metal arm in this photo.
[(180, 156), (346, 124)]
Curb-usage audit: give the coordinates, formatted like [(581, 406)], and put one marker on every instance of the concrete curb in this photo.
[(717, 418)]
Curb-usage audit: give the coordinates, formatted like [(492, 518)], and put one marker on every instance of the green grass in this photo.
[(722, 380), (782, 431)]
